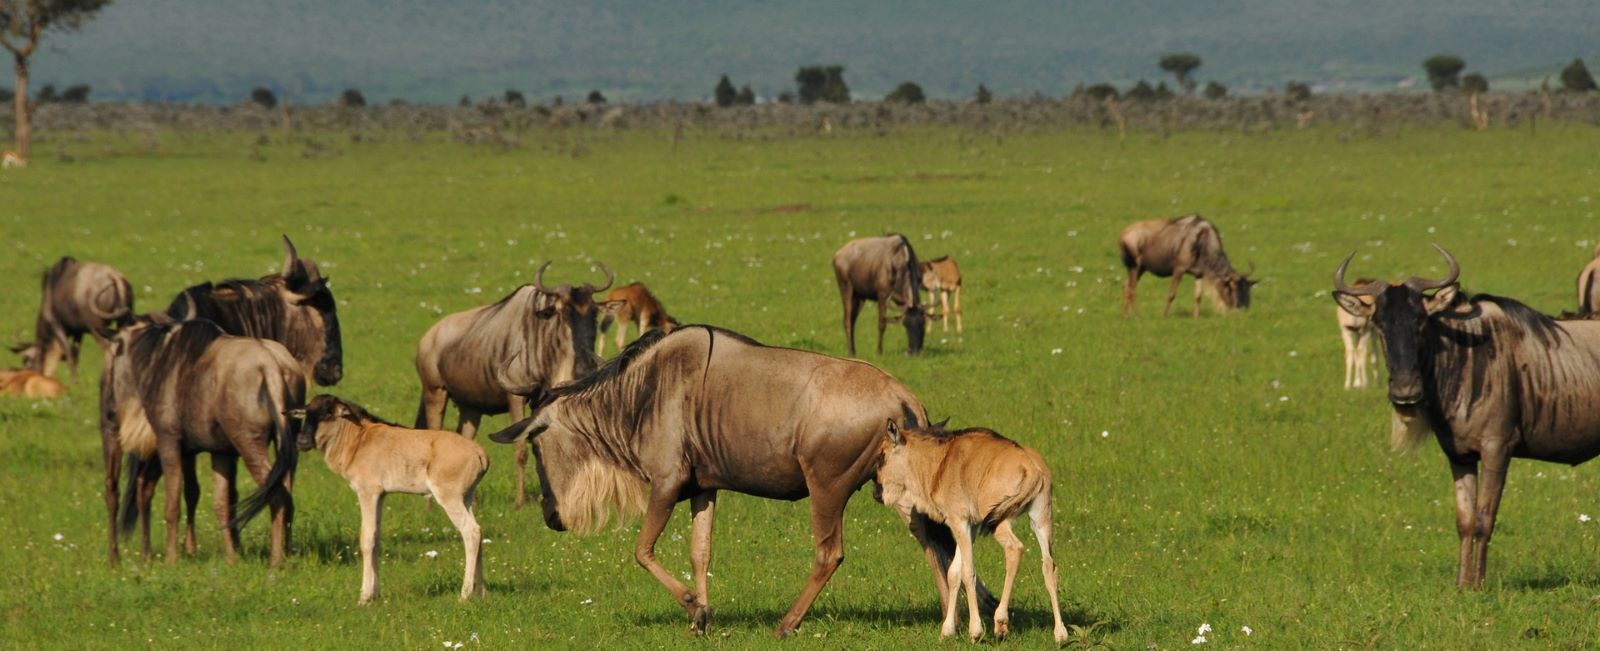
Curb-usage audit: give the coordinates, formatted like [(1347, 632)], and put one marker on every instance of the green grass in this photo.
[(1207, 471)]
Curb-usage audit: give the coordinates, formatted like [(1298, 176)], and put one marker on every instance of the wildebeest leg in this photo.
[(827, 528), (1172, 292), (172, 467), (72, 354), (939, 547), (515, 405), (1039, 518), (144, 487), (430, 411), (371, 517), (458, 507), (958, 309), (224, 468), (1466, 481), (112, 450), (50, 354), (883, 320), (1013, 550), (191, 497), (1493, 471), (469, 421), (256, 463), (1199, 285), (1134, 273), (703, 507), (663, 497), (852, 307)]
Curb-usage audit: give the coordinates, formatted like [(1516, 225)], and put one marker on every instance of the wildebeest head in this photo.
[(580, 486), (1234, 289), (1400, 312), (315, 325), (916, 323), (575, 307)]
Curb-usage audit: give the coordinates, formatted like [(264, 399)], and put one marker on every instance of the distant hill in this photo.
[(217, 50)]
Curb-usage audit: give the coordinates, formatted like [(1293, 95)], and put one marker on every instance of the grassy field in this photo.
[(1208, 471)]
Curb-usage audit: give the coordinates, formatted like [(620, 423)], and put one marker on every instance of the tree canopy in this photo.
[(1444, 71), (1180, 64)]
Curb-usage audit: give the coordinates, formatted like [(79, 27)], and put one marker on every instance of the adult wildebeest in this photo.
[(632, 302), (941, 276), (536, 337), (682, 416), (1182, 245), (1356, 333), (972, 480), (883, 270), (377, 457), (1491, 379), (78, 298), (176, 389), (294, 307), (1589, 288)]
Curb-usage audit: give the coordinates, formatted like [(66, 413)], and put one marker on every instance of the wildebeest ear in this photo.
[(545, 312), (940, 425), (1442, 299), (1354, 305), (894, 432)]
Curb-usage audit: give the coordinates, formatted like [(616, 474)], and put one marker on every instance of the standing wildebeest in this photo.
[(632, 302), (536, 336), (294, 307), (681, 416), (1356, 333), (883, 270), (972, 480), (1491, 379), (377, 457), (78, 298), (941, 276), (174, 390), (1589, 288), (1182, 245)]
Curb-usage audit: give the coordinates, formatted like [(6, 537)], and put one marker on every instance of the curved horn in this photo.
[(1369, 289), (1421, 284), (610, 278), (1252, 270), (289, 256), (538, 278)]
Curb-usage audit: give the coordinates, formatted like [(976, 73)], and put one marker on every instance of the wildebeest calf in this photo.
[(29, 384), (379, 457), (972, 480)]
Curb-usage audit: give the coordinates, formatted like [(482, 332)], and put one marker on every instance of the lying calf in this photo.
[(972, 480), (30, 384), (379, 457)]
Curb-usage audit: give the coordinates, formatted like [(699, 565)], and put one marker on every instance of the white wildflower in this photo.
[(1204, 628), (1247, 631), (1582, 517), (431, 553), (58, 536)]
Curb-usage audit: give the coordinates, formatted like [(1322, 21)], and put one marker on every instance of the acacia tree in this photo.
[(1444, 71), (22, 23), (1180, 64)]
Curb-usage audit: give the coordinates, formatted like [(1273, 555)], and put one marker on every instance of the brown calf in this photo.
[(30, 384), (972, 480), (1356, 332), (631, 302), (378, 458), (941, 276)]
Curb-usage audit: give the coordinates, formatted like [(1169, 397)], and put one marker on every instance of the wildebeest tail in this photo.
[(284, 432), (1128, 259), (1586, 286), (605, 322), (127, 515)]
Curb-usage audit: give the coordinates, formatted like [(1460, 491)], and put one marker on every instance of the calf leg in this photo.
[(458, 507), (952, 594), (1039, 519), (225, 493), (1013, 549), (958, 309), (703, 506), (944, 310), (1350, 379), (371, 517), (969, 578)]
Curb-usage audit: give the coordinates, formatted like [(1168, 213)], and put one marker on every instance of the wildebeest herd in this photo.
[(687, 411)]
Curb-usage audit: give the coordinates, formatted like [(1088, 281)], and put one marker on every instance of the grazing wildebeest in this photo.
[(682, 416), (1589, 288), (1182, 245), (632, 302), (377, 457), (883, 270), (173, 390), (536, 336), (28, 383), (941, 276), (78, 298), (972, 480), (294, 307), (1356, 333), (1491, 379)]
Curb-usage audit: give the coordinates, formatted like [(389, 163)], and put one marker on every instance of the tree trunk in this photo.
[(24, 119)]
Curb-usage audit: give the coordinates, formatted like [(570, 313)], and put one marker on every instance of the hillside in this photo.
[(634, 50)]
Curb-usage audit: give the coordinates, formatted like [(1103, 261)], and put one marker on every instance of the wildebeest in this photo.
[(682, 416), (1182, 245), (377, 457), (28, 383), (1491, 379), (941, 277), (536, 337), (972, 480), (78, 298), (632, 302), (1356, 333), (294, 307), (883, 270), (173, 390), (1589, 288)]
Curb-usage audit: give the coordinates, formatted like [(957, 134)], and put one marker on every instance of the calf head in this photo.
[(1400, 312)]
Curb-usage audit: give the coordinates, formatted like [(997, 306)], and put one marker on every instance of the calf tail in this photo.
[(283, 434), (128, 514)]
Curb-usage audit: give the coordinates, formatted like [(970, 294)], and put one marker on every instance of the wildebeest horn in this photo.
[(610, 278), (538, 278), (1369, 289), (1252, 270), (1420, 284), (289, 256)]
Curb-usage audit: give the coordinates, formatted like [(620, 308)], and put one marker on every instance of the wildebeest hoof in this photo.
[(701, 620), (784, 631)]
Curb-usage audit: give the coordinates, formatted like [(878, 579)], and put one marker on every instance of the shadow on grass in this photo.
[(1551, 581), (906, 616)]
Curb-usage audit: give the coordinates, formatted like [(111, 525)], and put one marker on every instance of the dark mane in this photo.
[(1537, 323), (161, 347), (56, 271), (318, 408), (247, 307), (618, 365)]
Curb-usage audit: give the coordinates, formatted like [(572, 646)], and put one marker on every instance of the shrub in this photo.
[(724, 93), (1475, 83), (595, 97), (1444, 71), (1297, 91), (746, 97), (352, 98), (1215, 90), (906, 93), (983, 96), (515, 98), (263, 97), (1575, 77)]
